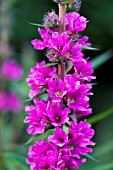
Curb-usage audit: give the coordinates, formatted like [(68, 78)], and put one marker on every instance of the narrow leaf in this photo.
[(23, 101), (31, 139), (101, 59), (91, 157), (49, 64), (39, 136), (89, 48), (100, 116), (38, 25)]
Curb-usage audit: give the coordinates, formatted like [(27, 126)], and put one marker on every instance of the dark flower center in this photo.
[(57, 118), (61, 140)]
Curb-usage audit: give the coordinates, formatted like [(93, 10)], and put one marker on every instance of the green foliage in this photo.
[(100, 116), (15, 157), (101, 59), (38, 25), (89, 48), (106, 166)]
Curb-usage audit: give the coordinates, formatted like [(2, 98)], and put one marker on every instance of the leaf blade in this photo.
[(100, 116), (101, 59)]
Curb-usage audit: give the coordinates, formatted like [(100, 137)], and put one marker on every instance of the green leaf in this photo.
[(100, 116), (45, 135), (66, 129), (14, 156), (38, 25), (103, 149), (49, 64), (101, 59), (73, 117), (14, 165), (106, 166), (91, 157), (89, 48), (26, 100), (43, 96), (31, 139), (40, 136), (9, 164)]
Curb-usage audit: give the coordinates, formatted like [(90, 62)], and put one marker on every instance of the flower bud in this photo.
[(51, 20), (74, 5)]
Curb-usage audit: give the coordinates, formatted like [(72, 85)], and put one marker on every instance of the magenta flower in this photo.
[(9, 102), (75, 53), (83, 41), (83, 70), (57, 115), (80, 138), (38, 44), (57, 90), (37, 119), (13, 103), (3, 100), (59, 138), (75, 23), (39, 76), (44, 155), (38, 158), (79, 113), (71, 161), (77, 98), (60, 44), (11, 70)]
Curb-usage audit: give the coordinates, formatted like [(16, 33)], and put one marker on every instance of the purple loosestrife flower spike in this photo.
[(67, 93)]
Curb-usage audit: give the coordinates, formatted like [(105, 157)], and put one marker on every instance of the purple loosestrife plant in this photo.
[(67, 93)]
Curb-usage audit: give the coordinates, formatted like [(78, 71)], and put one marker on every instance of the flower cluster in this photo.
[(9, 101), (62, 151), (67, 97), (11, 70)]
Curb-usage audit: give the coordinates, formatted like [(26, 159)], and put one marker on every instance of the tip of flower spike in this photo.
[(74, 5)]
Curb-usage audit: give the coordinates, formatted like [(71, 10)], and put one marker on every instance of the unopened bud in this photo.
[(51, 20)]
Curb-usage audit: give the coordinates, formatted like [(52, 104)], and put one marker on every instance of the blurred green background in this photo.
[(16, 34)]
